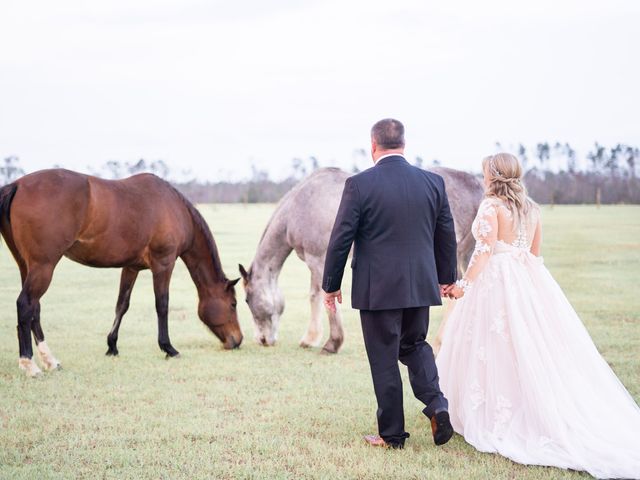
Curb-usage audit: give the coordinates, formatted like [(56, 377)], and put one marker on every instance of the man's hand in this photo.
[(451, 291), (445, 288), (330, 300)]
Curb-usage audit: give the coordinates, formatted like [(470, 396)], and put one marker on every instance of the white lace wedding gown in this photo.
[(521, 373)]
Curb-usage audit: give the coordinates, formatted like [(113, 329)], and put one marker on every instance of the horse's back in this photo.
[(97, 222), (310, 208), (465, 193), (144, 199), (130, 221)]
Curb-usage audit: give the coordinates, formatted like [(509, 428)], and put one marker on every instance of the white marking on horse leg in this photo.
[(29, 366), (313, 335), (437, 342), (47, 359)]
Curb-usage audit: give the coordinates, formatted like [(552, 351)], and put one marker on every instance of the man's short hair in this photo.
[(388, 134)]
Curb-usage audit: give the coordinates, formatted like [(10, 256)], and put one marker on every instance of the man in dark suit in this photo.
[(398, 218)]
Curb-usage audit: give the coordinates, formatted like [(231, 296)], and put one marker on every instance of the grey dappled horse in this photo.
[(302, 222)]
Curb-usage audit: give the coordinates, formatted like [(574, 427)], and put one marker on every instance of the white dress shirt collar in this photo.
[(389, 155)]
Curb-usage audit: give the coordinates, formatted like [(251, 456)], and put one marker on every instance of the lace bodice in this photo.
[(494, 223)]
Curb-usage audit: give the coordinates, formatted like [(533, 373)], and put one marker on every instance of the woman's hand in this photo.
[(455, 292)]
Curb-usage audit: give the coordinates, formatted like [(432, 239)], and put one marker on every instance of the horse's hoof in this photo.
[(51, 368), (305, 342), (29, 367), (112, 353), (172, 355), (331, 347)]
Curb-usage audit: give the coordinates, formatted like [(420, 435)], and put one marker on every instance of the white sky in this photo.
[(214, 86)]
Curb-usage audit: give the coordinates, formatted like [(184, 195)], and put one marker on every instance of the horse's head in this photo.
[(266, 303), (218, 312)]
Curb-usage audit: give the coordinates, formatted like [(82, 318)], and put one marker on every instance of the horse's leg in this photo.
[(336, 331), (127, 280), (48, 361), (437, 342), (161, 279), (313, 335), (44, 353), (35, 285)]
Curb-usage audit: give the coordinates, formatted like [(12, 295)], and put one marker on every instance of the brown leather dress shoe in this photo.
[(441, 428)]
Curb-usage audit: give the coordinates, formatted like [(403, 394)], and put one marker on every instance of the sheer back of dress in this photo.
[(496, 226), (511, 231)]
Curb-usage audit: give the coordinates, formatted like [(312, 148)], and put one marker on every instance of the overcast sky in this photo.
[(215, 86)]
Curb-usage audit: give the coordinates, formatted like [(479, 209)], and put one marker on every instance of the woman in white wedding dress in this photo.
[(521, 372)]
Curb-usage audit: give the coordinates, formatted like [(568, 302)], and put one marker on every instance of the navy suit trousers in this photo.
[(400, 334)]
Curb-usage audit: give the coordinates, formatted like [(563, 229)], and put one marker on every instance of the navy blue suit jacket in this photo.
[(398, 218)]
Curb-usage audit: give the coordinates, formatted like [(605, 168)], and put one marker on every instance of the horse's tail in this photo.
[(6, 197)]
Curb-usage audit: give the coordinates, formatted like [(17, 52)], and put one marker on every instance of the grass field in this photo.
[(257, 412)]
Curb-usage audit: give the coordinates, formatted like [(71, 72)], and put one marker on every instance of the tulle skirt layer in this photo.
[(524, 379)]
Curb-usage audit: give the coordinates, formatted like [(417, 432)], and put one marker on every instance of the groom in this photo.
[(398, 218)]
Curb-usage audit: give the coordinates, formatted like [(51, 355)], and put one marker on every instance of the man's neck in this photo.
[(387, 153)]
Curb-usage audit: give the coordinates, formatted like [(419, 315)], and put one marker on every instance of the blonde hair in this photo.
[(505, 182)]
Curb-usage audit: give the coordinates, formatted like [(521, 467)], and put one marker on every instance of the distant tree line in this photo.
[(553, 175)]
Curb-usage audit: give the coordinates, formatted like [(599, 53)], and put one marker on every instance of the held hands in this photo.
[(451, 291), (330, 300)]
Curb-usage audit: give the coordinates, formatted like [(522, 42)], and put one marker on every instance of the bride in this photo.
[(521, 373)]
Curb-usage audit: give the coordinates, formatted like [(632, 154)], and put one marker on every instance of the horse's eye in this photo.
[(234, 304)]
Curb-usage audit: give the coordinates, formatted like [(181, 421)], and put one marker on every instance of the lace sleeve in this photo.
[(537, 239), (485, 229)]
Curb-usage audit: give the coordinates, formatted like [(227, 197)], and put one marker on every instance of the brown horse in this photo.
[(138, 223)]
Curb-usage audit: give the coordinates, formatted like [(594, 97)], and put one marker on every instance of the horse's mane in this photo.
[(203, 227)]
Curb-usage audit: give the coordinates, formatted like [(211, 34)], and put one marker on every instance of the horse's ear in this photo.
[(243, 272), (232, 283)]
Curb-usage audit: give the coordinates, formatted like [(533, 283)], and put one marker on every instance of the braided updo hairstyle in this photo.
[(505, 182)]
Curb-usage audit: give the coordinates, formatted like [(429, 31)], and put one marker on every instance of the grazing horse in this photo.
[(302, 222), (137, 223)]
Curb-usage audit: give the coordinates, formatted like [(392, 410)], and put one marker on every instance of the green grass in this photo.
[(280, 412)]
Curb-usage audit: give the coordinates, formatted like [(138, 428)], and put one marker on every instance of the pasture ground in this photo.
[(280, 412)]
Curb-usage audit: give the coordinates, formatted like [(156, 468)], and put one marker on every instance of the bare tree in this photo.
[(598, 159), (612, 160), (571, 158), (543, 152), (632, 155), (114, 168), (522, 155), (10, 170), (160, 168), (299, 170)]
